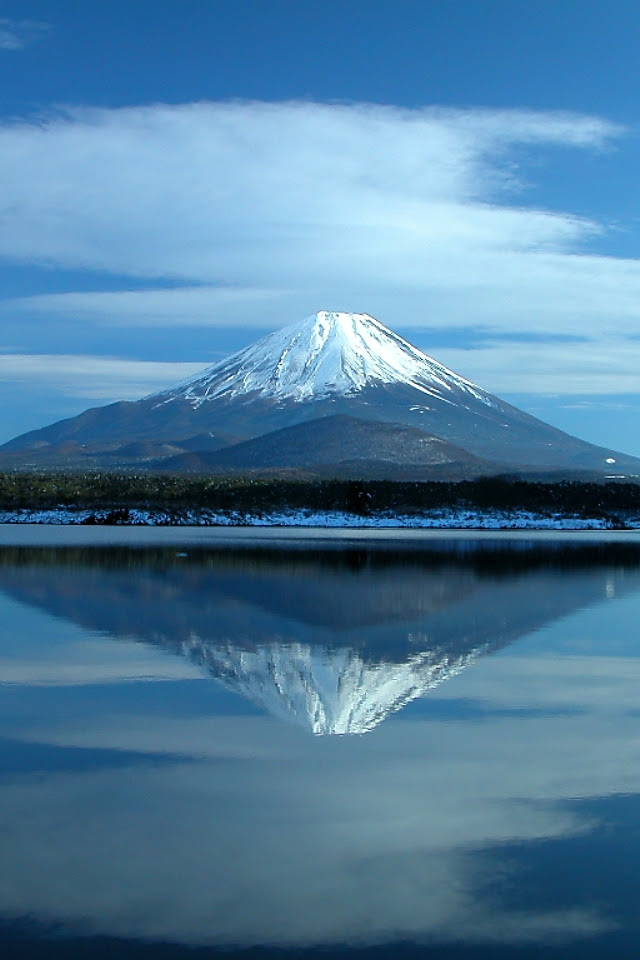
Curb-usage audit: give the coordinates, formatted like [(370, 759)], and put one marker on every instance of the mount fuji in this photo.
[(337, 393)]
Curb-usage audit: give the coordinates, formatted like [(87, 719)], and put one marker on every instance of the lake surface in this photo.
[(285, 745)]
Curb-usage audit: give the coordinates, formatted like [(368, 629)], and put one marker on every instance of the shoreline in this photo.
[(435, 519), (161, 535)]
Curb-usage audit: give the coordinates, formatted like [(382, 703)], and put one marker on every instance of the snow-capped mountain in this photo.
[(323, 376), (328, 354)]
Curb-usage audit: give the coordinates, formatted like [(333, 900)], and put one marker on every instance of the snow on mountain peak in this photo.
[(330, 352)]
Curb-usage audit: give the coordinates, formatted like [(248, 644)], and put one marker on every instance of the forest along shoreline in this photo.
[(170, 499)]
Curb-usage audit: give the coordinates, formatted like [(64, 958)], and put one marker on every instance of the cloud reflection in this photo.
[(269, 836)]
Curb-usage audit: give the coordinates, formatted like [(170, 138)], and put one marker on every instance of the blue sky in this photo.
[(178, 179)]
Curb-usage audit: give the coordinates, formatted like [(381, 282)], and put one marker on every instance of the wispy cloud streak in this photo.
[(95, 377), (18, 34)]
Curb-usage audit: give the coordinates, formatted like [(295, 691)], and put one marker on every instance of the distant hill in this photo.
[(341, 444)]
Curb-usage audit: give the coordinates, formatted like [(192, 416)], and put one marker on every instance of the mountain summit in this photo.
[(336, 394), (328, 353)]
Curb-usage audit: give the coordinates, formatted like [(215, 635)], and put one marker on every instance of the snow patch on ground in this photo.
[(435, 519)]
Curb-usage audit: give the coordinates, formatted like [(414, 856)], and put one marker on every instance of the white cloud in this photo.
[(554, 369), (268, 212), (276, 194), (99, 378), (202, 305)]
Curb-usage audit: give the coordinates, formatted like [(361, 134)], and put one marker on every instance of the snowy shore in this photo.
[(436, 519)]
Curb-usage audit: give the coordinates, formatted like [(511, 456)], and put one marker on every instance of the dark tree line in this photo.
[(119, 492)]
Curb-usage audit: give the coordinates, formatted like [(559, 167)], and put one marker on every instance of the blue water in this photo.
[(374, 747)]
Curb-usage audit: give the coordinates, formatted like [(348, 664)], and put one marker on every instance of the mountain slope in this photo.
[(329, 365), (341, 443)]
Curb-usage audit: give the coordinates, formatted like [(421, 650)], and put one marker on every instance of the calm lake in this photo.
[(281, 744)]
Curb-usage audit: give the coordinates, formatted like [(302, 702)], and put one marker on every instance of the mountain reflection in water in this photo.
[(148, 812), (332, 640)]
